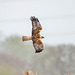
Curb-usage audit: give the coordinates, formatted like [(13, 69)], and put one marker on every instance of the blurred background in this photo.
[(57, 18)]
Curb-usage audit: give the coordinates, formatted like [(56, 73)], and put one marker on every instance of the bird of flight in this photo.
[(35, 37)]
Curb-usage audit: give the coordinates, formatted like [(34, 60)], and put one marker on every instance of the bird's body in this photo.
[(36, 37)]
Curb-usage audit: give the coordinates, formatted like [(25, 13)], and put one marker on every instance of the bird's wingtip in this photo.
[(32, 18)]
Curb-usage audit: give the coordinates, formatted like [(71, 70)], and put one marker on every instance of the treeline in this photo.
[(19, 56)]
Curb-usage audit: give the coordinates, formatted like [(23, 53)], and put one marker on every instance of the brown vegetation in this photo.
[(30, 73)]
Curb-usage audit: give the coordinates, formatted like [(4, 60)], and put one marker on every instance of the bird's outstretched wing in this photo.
[(38, 45), (36, 26), (36, 37)]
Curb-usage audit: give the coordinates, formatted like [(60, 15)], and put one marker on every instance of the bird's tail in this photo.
[(26, 38)]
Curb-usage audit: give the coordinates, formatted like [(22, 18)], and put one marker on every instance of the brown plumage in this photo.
[(36, 37)]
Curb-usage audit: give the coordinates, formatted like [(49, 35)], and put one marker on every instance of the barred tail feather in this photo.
[(26, 38)]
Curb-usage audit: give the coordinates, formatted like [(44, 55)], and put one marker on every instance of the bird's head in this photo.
[(42, 37)]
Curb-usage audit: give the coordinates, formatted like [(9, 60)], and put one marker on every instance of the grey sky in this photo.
[(56, 16)]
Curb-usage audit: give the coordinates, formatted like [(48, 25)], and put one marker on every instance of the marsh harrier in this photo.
[(36, 37)]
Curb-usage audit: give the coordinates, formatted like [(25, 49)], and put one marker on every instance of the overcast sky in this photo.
[(57, 18)]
